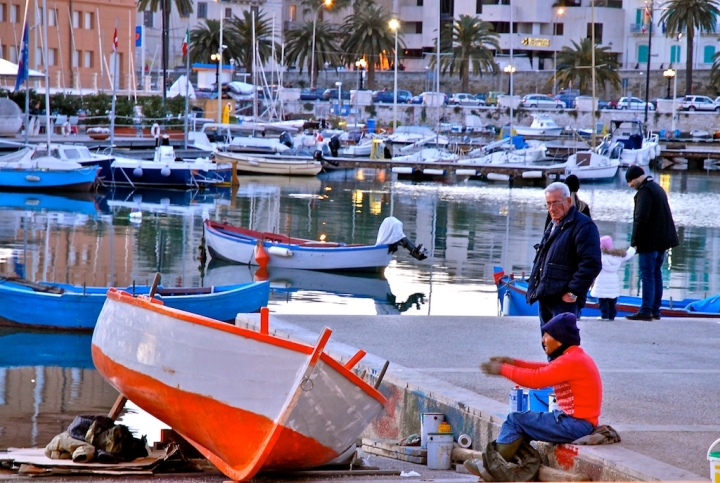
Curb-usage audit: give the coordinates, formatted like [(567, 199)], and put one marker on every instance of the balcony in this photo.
[(290, 25), (637, 29)]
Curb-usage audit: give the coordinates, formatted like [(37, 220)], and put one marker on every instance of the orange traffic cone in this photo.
[(261, 256)]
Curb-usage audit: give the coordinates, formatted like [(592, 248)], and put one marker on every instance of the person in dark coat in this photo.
[(653, 234), (567, 259), (573, 183)]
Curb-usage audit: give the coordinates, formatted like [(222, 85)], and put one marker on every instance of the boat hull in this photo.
[(139, 173), (78, 308), (82, 179), (263, 402), (228, 243), (266, 165)]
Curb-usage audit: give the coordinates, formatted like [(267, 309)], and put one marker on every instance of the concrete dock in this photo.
[(660, 382)]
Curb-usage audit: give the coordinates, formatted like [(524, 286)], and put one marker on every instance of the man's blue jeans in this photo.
[(652, 283), (555, 427)]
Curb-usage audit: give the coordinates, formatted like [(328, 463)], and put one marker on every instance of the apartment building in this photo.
[(79, 43)]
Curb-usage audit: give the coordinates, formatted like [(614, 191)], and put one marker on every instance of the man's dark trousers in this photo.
[(652, 283)]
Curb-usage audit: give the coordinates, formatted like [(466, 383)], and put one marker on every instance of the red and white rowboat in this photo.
[(246, 400)]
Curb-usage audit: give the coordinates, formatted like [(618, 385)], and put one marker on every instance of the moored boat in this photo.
[(542, 125), (20, 171), (72, 307), (270, 165), (264, 402)]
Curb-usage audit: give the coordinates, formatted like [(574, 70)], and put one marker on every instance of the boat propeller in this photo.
[(417, 252)]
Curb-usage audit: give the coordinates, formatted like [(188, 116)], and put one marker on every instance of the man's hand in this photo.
[(503, 360), (570, 298), (491, 368)]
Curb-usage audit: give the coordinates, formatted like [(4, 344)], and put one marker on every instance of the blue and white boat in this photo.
[(62, 306), (20, 171)]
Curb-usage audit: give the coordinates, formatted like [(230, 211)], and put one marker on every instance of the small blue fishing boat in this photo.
[(20, 171), (63, 306), (511, 294)]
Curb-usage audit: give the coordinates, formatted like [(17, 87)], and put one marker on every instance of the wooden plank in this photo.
[(554, 474), (391, 445), (391, 454)]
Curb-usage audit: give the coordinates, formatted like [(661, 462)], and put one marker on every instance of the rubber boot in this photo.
[(507, 451)]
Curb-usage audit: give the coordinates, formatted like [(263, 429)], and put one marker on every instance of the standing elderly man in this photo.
[(652, 235), (567, 260)]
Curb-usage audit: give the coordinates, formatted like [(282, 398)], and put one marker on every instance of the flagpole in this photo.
[(114, 86), (24, 75), (647, 72), (48, 127), (187, 81)]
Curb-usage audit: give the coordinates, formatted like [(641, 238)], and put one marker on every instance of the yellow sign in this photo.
[(535, 42)]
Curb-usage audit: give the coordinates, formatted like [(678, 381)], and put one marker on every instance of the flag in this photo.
[(115, 41), (22, 73), (185, 42)]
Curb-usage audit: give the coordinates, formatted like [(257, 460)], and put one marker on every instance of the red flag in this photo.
[(185, 43), (115, 41)]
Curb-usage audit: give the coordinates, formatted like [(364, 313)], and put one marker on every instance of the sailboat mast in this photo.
[(114, 87), (592, 63), (47, 76)]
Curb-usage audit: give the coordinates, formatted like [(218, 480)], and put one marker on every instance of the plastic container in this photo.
[(517, 400), (712, 456), (444, 427), (439, 451), (371, 125), (539, 399), (429, 423)]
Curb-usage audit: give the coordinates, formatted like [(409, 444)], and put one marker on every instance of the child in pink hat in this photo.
[(607, 284)]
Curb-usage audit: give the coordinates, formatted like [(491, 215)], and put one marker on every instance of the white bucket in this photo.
[(713, 458), (439, 451), (429, 423)]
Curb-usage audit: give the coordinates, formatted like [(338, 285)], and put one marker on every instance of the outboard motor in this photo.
[(334, 145), (417, 252), (286, 139), (390, 233)]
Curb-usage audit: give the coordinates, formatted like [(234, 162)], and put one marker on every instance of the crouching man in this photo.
[(576, 382)]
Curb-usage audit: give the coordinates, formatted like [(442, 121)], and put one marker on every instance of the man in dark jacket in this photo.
[(652, 235), (567, 260)]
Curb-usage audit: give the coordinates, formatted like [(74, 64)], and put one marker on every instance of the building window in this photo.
[(148, 17), (88, 21), (478, 7), (2, 12), (293, 13), (52, 56), (255, 10), (13, 54), (14, 13), (202, 10), (598, 32), (228, 13), (88, 58), (559, 29), (674, 54), (501, 27), (419, 3), (708, 54), (42, 15), (642, 54), (39, 55), (76, 19), (418, 27), (76, 58)]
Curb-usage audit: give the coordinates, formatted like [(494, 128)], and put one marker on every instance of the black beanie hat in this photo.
[(633, 172), (563, 328), (573, 183)]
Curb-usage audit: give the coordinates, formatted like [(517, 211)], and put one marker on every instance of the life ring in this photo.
[(66, 129), (155, 130)]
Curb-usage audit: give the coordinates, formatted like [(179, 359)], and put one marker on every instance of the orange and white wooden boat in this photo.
[(246, 400)]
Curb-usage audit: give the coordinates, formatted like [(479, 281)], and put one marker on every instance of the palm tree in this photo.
[(184, 6), (715, 71), (686, 16), (311, 6), (575, 63), (367, 35), (242, 39), (205, 41), (469, 41), (298, 45)]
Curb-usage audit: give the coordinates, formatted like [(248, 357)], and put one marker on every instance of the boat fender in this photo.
[(66, 129), (165, 171), (261, 256), (137, 172), (506, 304), (155, 130), (280, 252)]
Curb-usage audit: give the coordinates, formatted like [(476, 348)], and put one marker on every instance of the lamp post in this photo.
[(218, 58), (339, 86), (559, 13), (669, 75), (360, 64), (395, 25), (326, 3), (510, 70), (674, 113)]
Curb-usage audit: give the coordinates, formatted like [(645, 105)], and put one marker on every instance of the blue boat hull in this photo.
[(82, 179), (78, 309), (160, 178), (516, 305)]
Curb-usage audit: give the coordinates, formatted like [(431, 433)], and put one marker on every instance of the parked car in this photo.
[(541, 101), (403, 97), (567, 96), (635, 104), (330, 94), (492, 97), (482, 96), (311, 94), (699, 103), (420, 98), (464, 99)]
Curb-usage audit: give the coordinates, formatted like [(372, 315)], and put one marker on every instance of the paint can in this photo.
[(553, 404), (712, 456), (517, 400), (439, 451), (539, 399), (429, 423)]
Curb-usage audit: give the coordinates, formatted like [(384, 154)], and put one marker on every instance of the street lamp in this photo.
[(218, 58), (395, 25), (339, 86), (509, 69), (559, 13), (669, 75), (326, 3), (360, 64)]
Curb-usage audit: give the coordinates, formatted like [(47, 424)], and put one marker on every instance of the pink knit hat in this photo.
[(606, 242)]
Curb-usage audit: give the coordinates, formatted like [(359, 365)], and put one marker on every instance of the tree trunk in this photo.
[(465, 77), (370, 84), (689, 62)]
